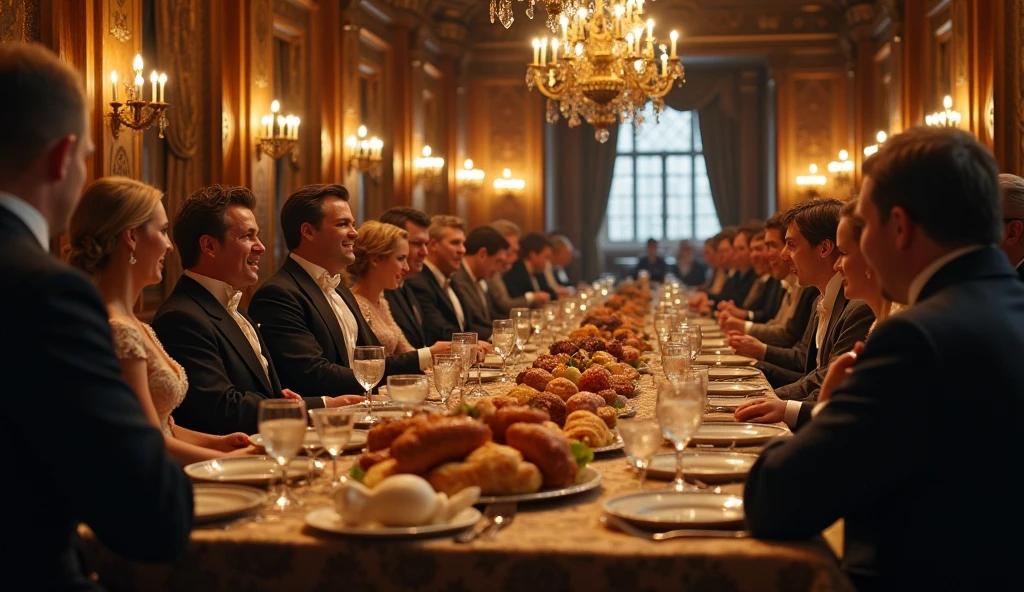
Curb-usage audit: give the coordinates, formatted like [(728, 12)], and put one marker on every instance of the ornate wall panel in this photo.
[(19, 20)]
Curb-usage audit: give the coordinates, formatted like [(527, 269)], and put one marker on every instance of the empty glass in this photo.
[(282, 425), (368, 367), (408, 390), (680, 412), (503, 338), (334, 426), (641, 439)]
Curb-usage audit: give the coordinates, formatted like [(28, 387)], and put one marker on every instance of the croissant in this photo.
[(494, 468), (588, 428), (368, 459), (546, 448), (423, 447), (506, 416), (381, 436)]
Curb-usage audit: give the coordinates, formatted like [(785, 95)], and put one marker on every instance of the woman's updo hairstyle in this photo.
[(108, 207), (376, 240)]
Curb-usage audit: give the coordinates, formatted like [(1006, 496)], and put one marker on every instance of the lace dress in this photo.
[(167, 380), (378, 316)]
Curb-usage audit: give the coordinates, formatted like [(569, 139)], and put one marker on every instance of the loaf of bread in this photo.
[(423, 447), (547, 449)]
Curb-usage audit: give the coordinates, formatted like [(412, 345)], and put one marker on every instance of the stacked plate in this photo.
[(356, 442), (705, 466), (740, 434), (734, 389), (664, 510), (732, 373)]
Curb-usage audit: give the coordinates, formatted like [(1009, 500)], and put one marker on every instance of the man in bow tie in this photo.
[(229, 367), (311, 320)]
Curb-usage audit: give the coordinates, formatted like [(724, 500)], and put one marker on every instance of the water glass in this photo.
[(408, 390), (503, 338), (368, 367), (675, 358), (680, 412), (641, 439), (282, 425), (334, 426), (468, 345), (447, 374), (538, 320)]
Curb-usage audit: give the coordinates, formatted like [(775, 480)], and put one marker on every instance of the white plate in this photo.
[(704, 322), (708, 467), (712, 342), (671, 509), (743, 434), (244, 470), (492, 361), (726, 373), (586, 479), (328, 520), (726, 404), (618, 444), (734, 389), (529, 348), (220, 501), (356, 442), (725, 360), (717, 351), (486, 374)]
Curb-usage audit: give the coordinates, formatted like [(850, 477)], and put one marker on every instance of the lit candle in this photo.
[(275, 107), (650, 30), (640, 6), (536, 51), (674, 36), (137, 64), (664, 64), (543, 51), (139, 83), (113, 84), (295, 130), (565, 28), (554, 50), (163, 81), (152, 81), (629, 42), (280, 126)]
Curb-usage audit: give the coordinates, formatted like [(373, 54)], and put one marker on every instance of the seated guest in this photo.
[(118, 235), (717, 274), (201, 324), (496, 288), (485, 255), (310, 318), (402, 301), (725, 260), (443, 313), (653, 263), (1013, 221), (797, 372), (930, 205), (765, 295), (738, 286), (555, 269), (526, 274), (381, 253), (691, 271), (58, 357)]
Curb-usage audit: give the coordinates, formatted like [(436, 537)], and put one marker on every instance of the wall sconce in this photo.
[(469, 177), (947, 118), (841, 168), (364, 155), (279, 134), (812, 180), (506, 185), (881, 138), (138, 114), (428, 167)]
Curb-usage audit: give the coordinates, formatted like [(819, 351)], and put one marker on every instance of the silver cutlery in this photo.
[(466, 536), (504, 513), (629, 529)]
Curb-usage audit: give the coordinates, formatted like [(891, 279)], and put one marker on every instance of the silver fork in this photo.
[(504, 513), (628, 528), (490, 512)]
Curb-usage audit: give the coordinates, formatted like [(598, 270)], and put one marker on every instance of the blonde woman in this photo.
[(381, 254), (118, 235)]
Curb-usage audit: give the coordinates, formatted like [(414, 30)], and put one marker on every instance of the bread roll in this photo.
[(506, 416), (423, 447), (547, 449), (495, 469)]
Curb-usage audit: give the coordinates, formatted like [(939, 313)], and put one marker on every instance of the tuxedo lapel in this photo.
[(442, 295), (319, 300), (366, 334), (227, 326)]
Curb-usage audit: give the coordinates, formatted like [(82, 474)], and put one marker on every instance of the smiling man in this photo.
[(310, 318), (201, 324), (443, 313)]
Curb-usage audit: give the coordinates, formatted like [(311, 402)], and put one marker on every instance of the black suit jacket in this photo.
[(517, 281), (479, 312), (770, 301), (406, 311), (439, 318), (305, 338), (790, 333), (657, 269), (57, 354), (1020, 271), (226, 381), (736, 287), (937, 390), (697, 275)]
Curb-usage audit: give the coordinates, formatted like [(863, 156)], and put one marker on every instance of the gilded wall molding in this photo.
[(19, 20)]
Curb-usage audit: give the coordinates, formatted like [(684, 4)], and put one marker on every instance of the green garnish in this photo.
[(467, 409), (357, 473), (571, 363), (582, 453), (618, 404)]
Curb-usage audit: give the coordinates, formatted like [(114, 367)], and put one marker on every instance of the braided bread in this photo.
[(588, 428)]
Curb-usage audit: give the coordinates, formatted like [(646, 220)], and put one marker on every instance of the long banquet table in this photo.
[(550, 546)]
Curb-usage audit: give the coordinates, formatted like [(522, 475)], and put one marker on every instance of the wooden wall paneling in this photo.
[(454, 147), (119, 30), (917, 50), (329, 32), (234, 81), (371, 104), (753, 177), (20, 20), (261, 84), (1008, 85), (980, 62), (400, 116)]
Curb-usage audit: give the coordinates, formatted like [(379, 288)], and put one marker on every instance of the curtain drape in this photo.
[(595, 185)]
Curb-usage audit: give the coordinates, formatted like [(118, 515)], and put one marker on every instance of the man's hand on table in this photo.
[(342, 400), (761, 411), (745, 345), (730, 323)]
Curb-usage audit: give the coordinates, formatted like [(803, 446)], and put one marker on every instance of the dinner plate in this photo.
[(221, 501), (530, 348), (725, 360), (708, 467), (717, 351), (704, 322), (734, 389), (743, 434), (627, 412), (726, 404), (720, 342), (356, 442), (244, 470), (586, 479), (732, 373), (326, 519), (618, 444), (665, 510), (485, 374)]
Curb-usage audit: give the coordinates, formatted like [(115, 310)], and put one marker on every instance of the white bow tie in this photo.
[(329, 283), (233, 302)]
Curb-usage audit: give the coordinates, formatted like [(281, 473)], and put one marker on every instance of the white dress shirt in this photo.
[(914, 291), (786, 309), (29, 215), (827, 305), (328, 284), (229, 298), (446, 285)]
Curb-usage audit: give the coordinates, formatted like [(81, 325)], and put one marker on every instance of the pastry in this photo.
[(609, 415), (584, 400), (495, 469), (563, 387), (380, 472), (369, 459), (506, 416), (425, 446), (547, 449), (552, 404), (587, 427)]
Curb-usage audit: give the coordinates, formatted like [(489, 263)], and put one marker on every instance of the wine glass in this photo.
[(680, 412), (334, 426), (503, 338), (641, 438), (409, 390), (675, 357), (313, 450), (282, 424), (520, 318), (700, 372), (447, 372), (467, 345), (368, 367), (538, 320), (663, 321), (696, 338)]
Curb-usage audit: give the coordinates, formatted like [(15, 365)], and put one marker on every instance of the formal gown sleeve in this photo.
[(128, 343)]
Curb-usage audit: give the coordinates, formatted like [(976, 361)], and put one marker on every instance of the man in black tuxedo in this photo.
[(502, 302), (404, 307), (485, 254), (1013, 221), (527, 273), (653, 263), (562, 253), (689, 269), (58, 356), (443, 312), (310, 318), (765, 295), (201, 325), (936, 378)]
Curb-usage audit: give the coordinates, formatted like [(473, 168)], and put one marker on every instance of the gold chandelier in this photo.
[(608, 68), (503, 10)]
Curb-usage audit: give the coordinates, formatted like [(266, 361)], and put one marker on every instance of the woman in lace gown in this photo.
[(119, 237), (381, 253)]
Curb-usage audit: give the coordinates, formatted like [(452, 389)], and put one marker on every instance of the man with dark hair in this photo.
[(527, 274), (689, 269), (485, 254), (443, 312), (562, 253), (201, 325), (57, 350), (878, 453), (1013, 221), (653, 263), (404, 307), (496, 288), (311, 320), (765, 296)]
